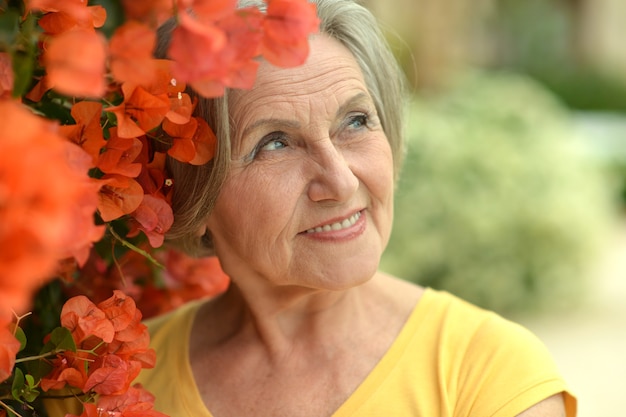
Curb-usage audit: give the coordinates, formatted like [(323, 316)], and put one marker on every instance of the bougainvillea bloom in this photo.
[(209, 10), (135, 402), (6, 76), (287, 26), (193, 48), (113, 346), (87, 132), (118, 196), (75, 63), (85, 18), (154, 217), (131, 53), (79, 238), (151, 12), (84, 319), (41, 191), (119, 155), (140, 112), (9, 346), (67, 369)]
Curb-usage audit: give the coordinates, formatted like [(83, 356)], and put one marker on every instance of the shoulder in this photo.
[(173, 321), (491, 365)]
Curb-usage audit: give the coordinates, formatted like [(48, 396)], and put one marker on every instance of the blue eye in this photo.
[(358, 121), (273, 144)]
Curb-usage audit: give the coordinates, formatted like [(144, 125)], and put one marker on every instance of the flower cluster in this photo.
[(97, 351), (88, 117)]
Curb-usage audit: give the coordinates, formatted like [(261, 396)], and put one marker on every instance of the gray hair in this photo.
[(196, 187)]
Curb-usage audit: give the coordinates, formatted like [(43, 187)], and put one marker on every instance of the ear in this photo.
[(207, 239)]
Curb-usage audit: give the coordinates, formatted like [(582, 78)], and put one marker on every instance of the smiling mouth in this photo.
[(350, 221)]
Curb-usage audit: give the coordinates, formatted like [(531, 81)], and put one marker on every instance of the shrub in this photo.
[(497, 202)]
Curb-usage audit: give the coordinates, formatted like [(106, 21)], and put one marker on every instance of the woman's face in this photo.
[(308, 200)]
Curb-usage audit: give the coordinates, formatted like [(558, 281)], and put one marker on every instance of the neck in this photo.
[(285, 318)]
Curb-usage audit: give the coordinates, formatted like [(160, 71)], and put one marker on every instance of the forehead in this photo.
[(330, 74)]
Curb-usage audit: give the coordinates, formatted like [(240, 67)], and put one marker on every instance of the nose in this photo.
[(332, 178)]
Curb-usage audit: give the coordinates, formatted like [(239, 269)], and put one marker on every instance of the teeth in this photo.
[(338, 225)]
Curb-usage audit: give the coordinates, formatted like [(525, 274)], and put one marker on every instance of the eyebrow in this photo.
[(292, 124)]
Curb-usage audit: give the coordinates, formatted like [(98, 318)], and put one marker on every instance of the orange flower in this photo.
[(119, 155), (183, 148), (9, 346), (194, 142), (36, 93), (287, 27), (140, 112), (201, 275), (215, 54), (119, 309), (84, 319), (205, 142), (181, 108), (135, 402), (79, 239), (6, 76), (84, 18), (131, 49), (87, 132), (67, 369), (153, 175), (75, 63), (193, 48), (112, 375), (42, 187), (152, 12), (209, 9), (118, 196), (154, 217)]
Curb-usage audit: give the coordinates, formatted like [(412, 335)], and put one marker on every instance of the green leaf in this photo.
[(18, 384), (23, 66), (24, 387), (24, 57), (30, 381), (62, 339), (9, 29), (21, 336), (30, 394)]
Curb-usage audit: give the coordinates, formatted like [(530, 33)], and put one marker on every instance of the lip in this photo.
[(345, 233)]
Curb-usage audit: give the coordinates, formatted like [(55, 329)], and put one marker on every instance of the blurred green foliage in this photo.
[(539, 38), (497, 202)]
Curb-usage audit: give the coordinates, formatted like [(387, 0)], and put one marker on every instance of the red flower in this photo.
[(6, 76), (65, 15), (287, 27), (131, 52), (9, 346), (45, 196), (87, 132), (136, 402), (68, 368), (84, 319), (154, 217), (75, 63), (118, 196), (119, 155), (140, 112)]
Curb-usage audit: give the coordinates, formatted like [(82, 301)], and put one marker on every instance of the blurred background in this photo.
[(513, 194)]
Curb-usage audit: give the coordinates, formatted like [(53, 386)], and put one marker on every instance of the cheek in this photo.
[(376, 170), (252, 205)]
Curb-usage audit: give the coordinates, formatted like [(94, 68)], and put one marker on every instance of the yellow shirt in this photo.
[(451, 359)]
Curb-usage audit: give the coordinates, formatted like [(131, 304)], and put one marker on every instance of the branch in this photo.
[(129, 245)]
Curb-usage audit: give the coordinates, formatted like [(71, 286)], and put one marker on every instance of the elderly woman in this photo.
[(298, 206)]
